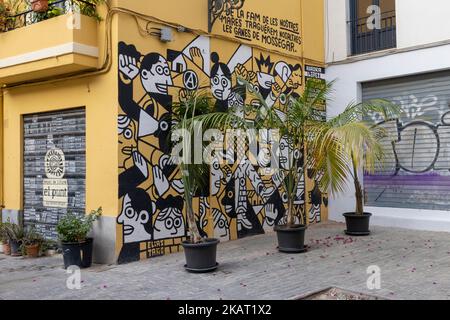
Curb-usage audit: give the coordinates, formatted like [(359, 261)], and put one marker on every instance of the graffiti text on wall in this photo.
[(416, 166)]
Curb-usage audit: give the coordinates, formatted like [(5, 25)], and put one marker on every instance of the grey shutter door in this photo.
[(54, 168), (416, 167)]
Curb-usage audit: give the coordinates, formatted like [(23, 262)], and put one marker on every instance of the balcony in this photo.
[(365, 39), (41, 45)]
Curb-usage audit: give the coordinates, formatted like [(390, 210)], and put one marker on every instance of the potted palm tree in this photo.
[(73, 233), (195, 116), (352, 143), (295, 125)]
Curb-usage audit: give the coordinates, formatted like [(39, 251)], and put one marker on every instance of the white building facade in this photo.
[(397, 50)]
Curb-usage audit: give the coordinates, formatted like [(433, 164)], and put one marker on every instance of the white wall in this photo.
[(348, 88), (422, 22), (336, 35), (418, 23)]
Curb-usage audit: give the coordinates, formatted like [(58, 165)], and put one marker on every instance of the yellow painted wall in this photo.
[(1, 149), (199, 53), (98, 95), (101, 161), (313, 23)]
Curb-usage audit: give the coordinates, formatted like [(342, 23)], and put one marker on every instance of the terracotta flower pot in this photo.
[(7, 249), (33, 251), (39, 5)]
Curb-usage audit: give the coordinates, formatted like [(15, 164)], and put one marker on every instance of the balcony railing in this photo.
[(365, 39), (56, 8)]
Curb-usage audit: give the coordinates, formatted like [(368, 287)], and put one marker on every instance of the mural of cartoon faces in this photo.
[(241, 200), (136, 216), (155, 74), (220, 79)]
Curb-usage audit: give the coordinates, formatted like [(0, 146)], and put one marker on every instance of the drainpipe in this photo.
[(1, 154)]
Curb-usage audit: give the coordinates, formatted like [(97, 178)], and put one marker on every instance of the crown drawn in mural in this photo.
[(264, 64), (217, 7)]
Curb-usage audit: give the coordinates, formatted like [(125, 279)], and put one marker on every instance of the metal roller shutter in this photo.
[(54, 168), (416, 169)]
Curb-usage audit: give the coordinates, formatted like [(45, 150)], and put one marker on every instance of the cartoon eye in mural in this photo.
[(217, 177), (285, 154), (228, 200), (136, 216), (127, 136)]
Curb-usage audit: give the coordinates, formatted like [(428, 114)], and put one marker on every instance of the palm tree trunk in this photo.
[(358, 189), (290, 215), (193, 228)]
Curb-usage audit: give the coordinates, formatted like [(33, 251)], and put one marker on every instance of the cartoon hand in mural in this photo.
[(278, 178), (241, 71), (161, 182), (128, 66), (271, 214), (141, 163), (196, 56), (276, 89)]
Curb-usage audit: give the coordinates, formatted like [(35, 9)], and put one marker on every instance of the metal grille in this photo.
[(54, 161), (365, 40), (416, 171)]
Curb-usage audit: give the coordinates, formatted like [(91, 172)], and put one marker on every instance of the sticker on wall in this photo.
[(55, 188), (55, 193)]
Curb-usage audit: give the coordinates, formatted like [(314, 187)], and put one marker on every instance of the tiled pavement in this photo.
[(414, 265)]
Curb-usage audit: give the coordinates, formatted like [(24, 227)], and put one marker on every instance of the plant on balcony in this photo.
[(39, 5), (4, 16), (73, 231), (56, 8), (195, 115), (89, 7), (357, 141)]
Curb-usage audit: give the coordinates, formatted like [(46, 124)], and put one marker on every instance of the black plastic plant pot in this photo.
[(357, 224), (291, 239), (201, 257), (78, 254), (15, 248)]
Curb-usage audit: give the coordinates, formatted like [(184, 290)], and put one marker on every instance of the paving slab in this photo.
[(412, 265)]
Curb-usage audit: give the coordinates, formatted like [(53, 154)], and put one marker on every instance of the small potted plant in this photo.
[(49, 248), (39, 5), (4, 241), (32, 242), (15, 234), (73, 233)]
